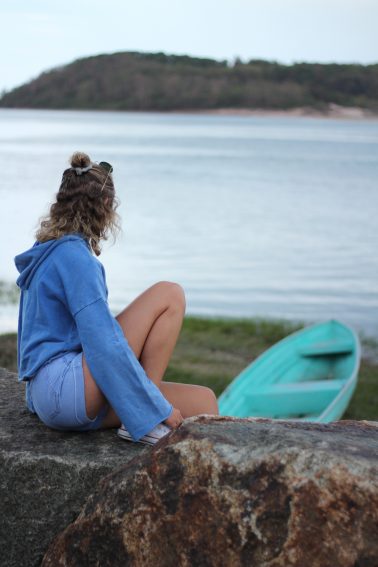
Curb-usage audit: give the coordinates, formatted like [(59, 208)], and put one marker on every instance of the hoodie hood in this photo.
[(28, 262)]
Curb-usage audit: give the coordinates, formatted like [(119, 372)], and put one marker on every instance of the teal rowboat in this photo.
[(308, 376)]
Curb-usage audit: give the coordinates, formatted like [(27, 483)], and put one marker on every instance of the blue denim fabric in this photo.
[(58, 397)]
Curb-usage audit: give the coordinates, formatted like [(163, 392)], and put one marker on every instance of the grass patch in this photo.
[(212, 351), (9, 293), (364, 403), (8, 351)]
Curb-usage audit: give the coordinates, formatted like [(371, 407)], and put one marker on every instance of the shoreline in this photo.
[(370, 341), (332, 112), (9, 298)]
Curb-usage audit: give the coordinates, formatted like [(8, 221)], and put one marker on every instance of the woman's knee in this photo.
[(174, 294), (208, 399), (190, 399), (213, 400)]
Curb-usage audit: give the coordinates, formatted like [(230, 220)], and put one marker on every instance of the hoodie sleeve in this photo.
[(137, 401)]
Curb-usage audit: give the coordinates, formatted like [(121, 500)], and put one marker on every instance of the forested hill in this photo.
[(156, 81)]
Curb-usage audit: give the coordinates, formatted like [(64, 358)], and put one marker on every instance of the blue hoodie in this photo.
[(64, 307)]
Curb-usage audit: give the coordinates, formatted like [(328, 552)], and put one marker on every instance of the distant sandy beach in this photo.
[(333, 111)]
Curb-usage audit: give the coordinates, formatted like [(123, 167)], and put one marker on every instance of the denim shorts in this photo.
[(57, 394)]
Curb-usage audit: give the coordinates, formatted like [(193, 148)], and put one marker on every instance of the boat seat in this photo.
[(305, 386), (327, 348), (294, 398)]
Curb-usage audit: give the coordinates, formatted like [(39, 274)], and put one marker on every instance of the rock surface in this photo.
[(216, 492), (45, 475), (228, 492)]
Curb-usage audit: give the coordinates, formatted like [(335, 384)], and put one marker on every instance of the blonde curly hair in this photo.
[(85, 203)]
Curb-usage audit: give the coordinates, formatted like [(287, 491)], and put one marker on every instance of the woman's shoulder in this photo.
[(74, 238), (79, 273), (74, 252)]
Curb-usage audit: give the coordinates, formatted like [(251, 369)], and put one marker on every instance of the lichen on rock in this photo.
[(223, 491)]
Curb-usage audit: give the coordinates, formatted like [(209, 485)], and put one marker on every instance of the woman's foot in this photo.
[(150, 438)]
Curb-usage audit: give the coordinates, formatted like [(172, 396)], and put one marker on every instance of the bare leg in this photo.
[(190, 399), (151, 324)]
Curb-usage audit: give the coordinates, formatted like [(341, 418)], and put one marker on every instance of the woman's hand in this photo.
[(175, 419)]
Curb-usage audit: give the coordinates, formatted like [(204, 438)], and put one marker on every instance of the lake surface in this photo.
[(253, 216)]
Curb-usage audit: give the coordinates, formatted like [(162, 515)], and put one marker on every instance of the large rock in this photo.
[(45, 475), (230, 492), (216, 492)]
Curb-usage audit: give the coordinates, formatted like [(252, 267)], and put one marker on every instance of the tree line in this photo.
[(157, 81)]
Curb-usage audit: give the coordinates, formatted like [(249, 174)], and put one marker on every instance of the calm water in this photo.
[(254, 216)]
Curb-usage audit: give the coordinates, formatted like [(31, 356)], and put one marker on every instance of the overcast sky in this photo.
[(40, 34)]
